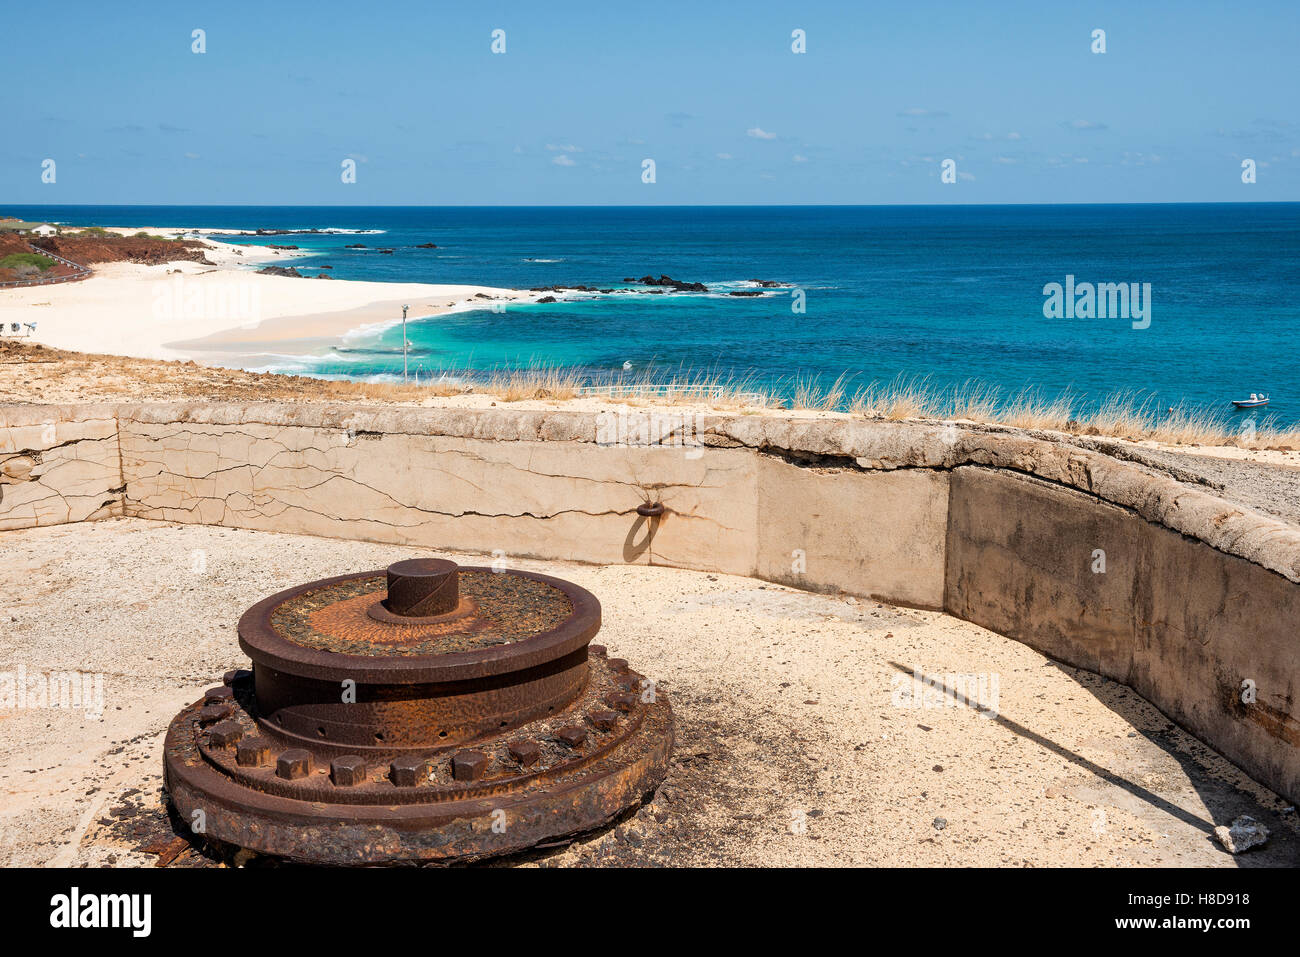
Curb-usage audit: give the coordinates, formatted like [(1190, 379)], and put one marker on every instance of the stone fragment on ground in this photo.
[(1244, 834)]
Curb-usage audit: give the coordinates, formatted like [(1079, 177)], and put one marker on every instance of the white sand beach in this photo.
[(183, 309)]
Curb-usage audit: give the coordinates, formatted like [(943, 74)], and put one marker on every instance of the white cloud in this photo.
[(724, 156), (564, 160), (967, 177), (563, 148), (1085, 125), (191, 156), (759, 133), (917, 111), (799, 158)]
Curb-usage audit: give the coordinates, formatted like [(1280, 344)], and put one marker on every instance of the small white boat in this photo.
[(1254, 402)]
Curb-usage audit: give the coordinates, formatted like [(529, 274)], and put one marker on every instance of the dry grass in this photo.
[(903, 398), (1030, 409), (1184, 426), (1125, 416), (685, 387), (534, 382), (32, 373), (810, 397), (975, 402), (393, 391)]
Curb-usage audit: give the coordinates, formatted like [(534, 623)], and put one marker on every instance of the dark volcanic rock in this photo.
[(280, 271), (745, 292), (426, 246), (355, 246), (665, 280), (547, 299)]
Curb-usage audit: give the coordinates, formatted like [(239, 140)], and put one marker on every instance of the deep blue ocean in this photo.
[(952, 293)]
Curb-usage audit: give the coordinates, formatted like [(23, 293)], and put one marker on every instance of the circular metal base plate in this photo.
[(558, 776)]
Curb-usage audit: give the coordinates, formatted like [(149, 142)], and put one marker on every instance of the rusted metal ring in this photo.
[(649, 510), (342, 748), (259, 641)]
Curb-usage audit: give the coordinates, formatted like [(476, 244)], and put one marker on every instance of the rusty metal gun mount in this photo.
[(426, 713)]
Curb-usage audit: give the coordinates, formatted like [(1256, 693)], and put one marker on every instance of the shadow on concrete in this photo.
[(1223, 800)]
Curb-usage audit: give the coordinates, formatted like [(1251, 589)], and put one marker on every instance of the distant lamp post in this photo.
[(404, 342)]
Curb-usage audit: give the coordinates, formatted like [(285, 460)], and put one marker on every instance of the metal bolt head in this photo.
[(573, 736), (621, 702), (603, 720), (408, 772), (221, 695), (293, 764), (252, 753), (225, 733), (527, 753), (348, 771), (469, 765), (214, 712)]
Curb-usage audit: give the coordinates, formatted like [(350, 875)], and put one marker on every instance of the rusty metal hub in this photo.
[(425, 713)]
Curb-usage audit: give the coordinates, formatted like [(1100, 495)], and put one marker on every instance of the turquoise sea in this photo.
[(952, 294)]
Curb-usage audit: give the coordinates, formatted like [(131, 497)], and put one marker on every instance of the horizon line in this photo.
[(1282, 202)]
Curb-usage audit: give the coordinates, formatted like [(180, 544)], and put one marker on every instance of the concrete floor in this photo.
[(791, 747)]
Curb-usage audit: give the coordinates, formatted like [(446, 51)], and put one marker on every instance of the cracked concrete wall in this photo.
[(556, 499), (727, 509), (1177, 621), (993, 525), (58, 464)]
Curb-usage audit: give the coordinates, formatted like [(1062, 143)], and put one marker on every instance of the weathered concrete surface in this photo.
[(865, 444), (799, 742), (827, 504), (867, 533), (525, 497), (58, 464), (862, 444), (1188, 628)]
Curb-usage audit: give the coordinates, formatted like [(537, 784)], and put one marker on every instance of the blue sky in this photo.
[(712, 92)]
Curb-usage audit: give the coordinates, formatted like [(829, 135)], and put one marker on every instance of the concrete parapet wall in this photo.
[(58, 464), (1190, 629), (995, 526)]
